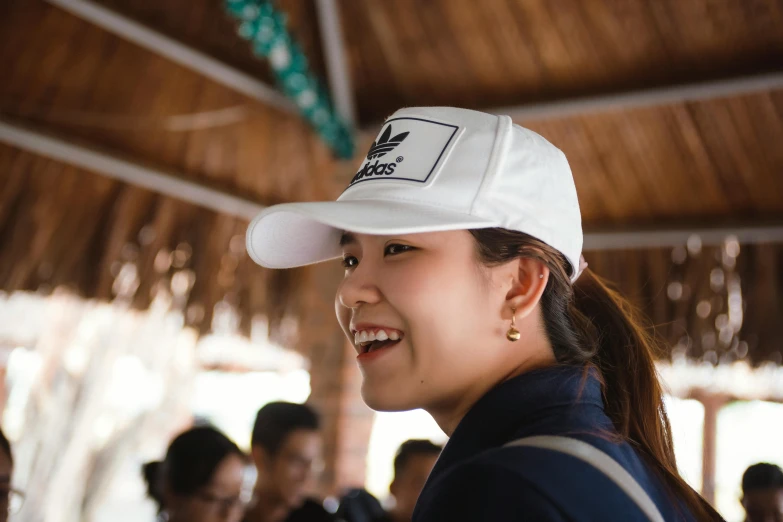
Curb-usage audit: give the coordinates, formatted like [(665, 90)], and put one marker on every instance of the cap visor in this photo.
[(298, 234)]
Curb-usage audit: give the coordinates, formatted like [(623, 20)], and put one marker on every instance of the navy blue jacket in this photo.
[(477, 479)]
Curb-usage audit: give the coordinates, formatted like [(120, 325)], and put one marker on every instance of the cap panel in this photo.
[(438, 159)]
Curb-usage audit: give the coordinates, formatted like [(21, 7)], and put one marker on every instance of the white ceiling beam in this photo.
[(654, 97), (629, 100), (333, 45), (170, 184), (177, 52), (636, 238)]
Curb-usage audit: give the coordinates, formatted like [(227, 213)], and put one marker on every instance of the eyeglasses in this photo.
[(11, 500), (225, 504), (304, 463)]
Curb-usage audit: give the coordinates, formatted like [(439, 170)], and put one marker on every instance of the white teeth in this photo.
[(366, 336)]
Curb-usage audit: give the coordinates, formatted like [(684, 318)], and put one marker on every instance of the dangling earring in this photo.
[(513, 334)]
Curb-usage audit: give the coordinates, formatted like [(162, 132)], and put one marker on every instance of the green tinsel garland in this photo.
[(265, 28)]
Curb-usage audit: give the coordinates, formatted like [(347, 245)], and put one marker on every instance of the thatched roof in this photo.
[(681, 164)]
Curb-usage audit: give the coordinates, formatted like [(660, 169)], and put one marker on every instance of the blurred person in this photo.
[(762, 493), (204, 477), (10, 499), (359, 505), (286, 450), (465, 294), (412, 465)]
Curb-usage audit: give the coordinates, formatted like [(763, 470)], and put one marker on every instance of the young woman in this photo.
[(205, 477), (465, 294)]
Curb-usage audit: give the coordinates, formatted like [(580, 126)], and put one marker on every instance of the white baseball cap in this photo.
[(434, 169)]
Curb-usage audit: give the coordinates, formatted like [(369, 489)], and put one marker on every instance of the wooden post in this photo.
[(712, 405)]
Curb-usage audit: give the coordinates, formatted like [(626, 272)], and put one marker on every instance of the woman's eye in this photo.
[(393, 250), (350, 261)]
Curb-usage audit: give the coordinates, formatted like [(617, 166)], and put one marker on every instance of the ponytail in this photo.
[(591, 325), (624, 355)]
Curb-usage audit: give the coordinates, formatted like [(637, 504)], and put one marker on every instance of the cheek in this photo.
[(448, 311)]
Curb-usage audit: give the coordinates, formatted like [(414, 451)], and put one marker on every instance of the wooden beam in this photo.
[(175, 51), (175, 185), (337, 70)]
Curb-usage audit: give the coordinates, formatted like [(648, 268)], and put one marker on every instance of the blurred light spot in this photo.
[(732, 246), (717, 279), (694, 244), (162, 261), (147, 235), (674, 291), (679, 255), (195, 314), (722, 321)]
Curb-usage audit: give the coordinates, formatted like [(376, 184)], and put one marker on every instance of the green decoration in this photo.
[(264, 27)]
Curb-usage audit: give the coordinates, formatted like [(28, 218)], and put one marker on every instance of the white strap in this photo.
[(602, 462)]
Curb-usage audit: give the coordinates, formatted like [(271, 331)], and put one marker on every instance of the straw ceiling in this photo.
[(682, 164)]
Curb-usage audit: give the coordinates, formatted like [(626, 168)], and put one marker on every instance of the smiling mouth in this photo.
[(370, 341)]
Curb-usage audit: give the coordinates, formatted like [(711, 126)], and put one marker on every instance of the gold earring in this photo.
[(513, 334)]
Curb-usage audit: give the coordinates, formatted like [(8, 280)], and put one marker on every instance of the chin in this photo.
[(386, 400)]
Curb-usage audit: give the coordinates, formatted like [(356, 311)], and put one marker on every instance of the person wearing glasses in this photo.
[(204, 477), (10, 499), (286, 449)]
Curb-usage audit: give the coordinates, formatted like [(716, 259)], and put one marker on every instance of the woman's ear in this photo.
[(527, 286)]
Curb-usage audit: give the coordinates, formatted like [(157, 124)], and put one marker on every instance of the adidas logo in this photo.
[(413, 158), (385, 143)]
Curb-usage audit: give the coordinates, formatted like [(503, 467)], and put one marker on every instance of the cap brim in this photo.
[(298, 234)]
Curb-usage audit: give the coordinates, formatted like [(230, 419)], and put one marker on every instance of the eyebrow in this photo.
[(347, 238)]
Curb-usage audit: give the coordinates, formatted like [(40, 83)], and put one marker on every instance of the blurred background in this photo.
[(138, 137)]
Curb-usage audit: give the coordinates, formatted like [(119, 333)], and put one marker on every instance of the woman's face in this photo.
[(444, 314), (220, 500)]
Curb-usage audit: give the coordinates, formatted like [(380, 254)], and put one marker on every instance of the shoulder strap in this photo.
[(599, 460)]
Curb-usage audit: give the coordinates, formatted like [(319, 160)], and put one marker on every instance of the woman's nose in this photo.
[(359, 287)]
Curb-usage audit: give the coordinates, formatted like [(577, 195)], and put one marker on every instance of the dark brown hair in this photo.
[(411, 448), (190, 463), (591, 325)]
